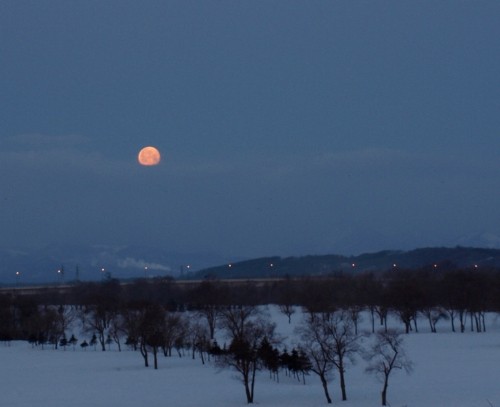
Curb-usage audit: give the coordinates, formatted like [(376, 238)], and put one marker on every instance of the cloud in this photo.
[(36, 141), (59, 155), (130, 262)]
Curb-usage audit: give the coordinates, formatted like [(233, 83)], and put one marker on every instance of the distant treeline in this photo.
[(437, 295)]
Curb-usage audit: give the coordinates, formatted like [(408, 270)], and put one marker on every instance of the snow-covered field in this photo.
[(450, 370)]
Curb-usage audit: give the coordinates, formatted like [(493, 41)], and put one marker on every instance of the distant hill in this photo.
[(440, 257), (86, 262), (124, 262)]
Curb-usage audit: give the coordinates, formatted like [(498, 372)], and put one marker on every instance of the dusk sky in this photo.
[(285, 127)]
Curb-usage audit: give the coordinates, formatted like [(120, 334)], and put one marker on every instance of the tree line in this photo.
[(149, 316)]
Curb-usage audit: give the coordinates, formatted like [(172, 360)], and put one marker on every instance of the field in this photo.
[(450, 369)]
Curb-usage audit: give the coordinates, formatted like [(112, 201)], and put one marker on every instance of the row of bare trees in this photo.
[(461, 297), (148, 317)]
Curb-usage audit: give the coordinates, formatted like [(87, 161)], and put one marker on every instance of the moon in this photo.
[(149, 156)]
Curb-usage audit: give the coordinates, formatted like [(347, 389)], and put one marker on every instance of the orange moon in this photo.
[(149, 156)]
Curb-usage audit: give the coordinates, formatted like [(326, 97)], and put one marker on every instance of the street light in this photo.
[(60, 273)]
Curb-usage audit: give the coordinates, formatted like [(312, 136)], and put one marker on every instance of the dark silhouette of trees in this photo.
[(386, 355), (93, 341), (73, 341), (176, 333), (344, 342), (246, 328), (329, 341), (317, 346), (101, 306), (405, 296), (287, 297), (144, 324), (270, 357), (207, 300)]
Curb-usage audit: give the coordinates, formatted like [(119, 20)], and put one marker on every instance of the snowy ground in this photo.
[(450, 370)]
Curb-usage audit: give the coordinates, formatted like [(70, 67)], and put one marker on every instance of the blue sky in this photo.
[(285, 127)]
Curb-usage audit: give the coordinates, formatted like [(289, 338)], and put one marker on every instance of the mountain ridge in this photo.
[(86, 263), (315, 265)]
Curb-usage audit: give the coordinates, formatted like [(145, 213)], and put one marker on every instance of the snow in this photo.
[(450, 369)]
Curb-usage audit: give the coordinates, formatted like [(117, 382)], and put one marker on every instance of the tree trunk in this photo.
[(144, 353), (452, 318), (461, 317), (325, 388), (102, 341), (254, 370), (155, 357), (342, 384), (478, 322), (248, 392), (431, 324), (384, 391)]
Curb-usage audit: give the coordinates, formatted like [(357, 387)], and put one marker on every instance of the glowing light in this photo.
[(149, 156)]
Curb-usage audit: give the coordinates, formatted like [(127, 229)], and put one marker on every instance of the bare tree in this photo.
[(288, 310), (329, 340), (344, 340), (152, 330), (385, 355), (317, 347), (434, 315), (100, 306), (96, 319), (355, 316), (247, 328), (176, 332), (208, 298), (117, 329), (198, 333), (65, 317), (287, 297)]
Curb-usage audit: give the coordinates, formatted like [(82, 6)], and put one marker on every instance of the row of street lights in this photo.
[(104, 274)]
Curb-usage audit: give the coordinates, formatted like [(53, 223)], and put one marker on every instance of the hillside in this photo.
[(442, 257)]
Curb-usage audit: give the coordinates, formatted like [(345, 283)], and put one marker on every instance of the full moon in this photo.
[(149, 156)]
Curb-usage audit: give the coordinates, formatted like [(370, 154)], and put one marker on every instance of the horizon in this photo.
[(44, 267)]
